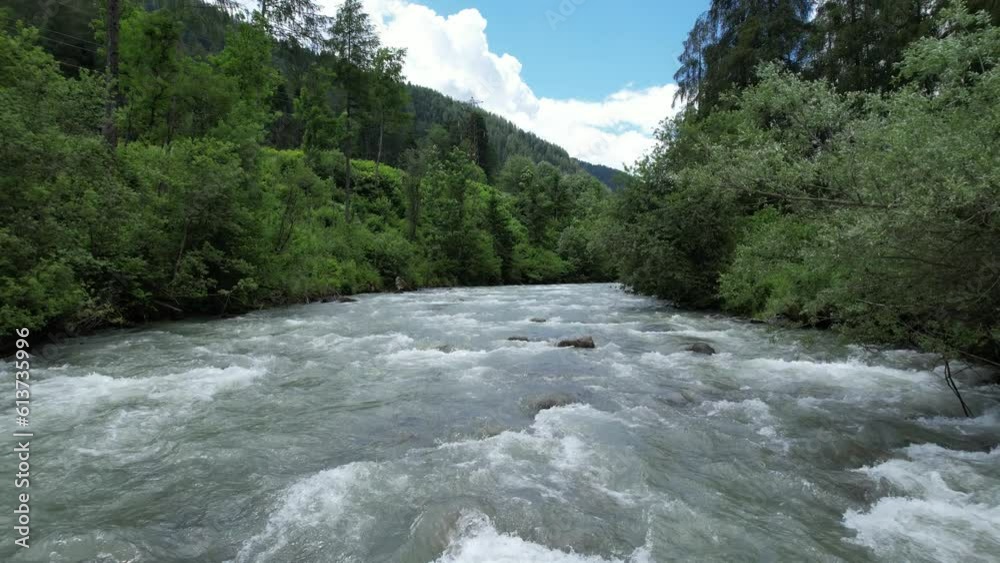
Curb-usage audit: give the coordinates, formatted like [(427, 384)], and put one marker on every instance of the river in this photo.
[(406, 428)]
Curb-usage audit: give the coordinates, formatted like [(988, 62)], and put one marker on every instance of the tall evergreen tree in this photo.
[(388, 94), (732, 38), (354, 44), (292, 19), (857, 43), (112, 27), (476, 140)]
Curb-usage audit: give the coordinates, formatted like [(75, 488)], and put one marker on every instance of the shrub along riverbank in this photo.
[(227, 185), (870, 207)]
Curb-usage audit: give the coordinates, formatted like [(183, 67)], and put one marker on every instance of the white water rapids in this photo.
[(405, 428)]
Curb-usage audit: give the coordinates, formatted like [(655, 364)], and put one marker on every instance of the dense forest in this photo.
[(430, 108), (192, 158), (834, 165), (610, 177)]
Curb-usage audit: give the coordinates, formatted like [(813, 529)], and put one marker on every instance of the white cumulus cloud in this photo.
[(451, 54)]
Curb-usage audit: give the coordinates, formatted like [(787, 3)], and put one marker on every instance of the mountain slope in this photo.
[(431, 107), (610, 177)]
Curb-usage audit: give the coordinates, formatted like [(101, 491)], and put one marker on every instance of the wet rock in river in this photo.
[(440, 522), (538, 320), (489, 430), (675, 398), (585, 342), (534, 405), (519, 339), (701, 348)]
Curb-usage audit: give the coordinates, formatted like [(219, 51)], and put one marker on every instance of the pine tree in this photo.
[(292, 19), (732, 38), (857, 43), (354, 44), (112, 23), (388, 94)]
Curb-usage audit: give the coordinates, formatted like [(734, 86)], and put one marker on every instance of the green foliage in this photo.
[(612, 178), (537, 265), (195, 213), (855, 45), (873, 212), (731, 39), (432, 109), (53, 190), (858, 44), (780, 269)]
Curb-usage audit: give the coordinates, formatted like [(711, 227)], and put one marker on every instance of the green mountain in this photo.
[(430, 107), (610, 177)]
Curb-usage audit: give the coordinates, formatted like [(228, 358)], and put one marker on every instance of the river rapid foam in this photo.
[(409, 428)]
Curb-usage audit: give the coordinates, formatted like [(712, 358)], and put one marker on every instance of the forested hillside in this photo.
[(432, 108), (837, 168), (834, 165), (610, 177), (187, 158)]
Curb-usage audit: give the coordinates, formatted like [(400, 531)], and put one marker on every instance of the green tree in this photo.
[(874, 213), (353, 42), (50, 126), (388, 94), (857, 43), (732, 38), (292, 19), (112, 25)]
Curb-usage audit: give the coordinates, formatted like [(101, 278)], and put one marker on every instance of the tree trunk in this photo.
[(413, 211), (347, 153), (180, 253), (378, 155), (347, 189), (112, 23)]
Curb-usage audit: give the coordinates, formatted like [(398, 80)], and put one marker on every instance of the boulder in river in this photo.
[(534, 405), (583, 342), (346, 300), (519, 339), (538, 320), (673, 398), (701, 348), (434, 529), (401, 284)]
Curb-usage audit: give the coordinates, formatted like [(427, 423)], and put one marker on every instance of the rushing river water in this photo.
[(406, 428)]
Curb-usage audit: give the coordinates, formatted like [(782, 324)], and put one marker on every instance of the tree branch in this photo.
[(837, 202)]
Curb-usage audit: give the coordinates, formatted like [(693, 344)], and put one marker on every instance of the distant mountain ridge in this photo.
[(610, 177), (431, 107)]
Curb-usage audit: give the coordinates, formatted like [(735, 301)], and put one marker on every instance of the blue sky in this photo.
[(596, 48), (593, 76)]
